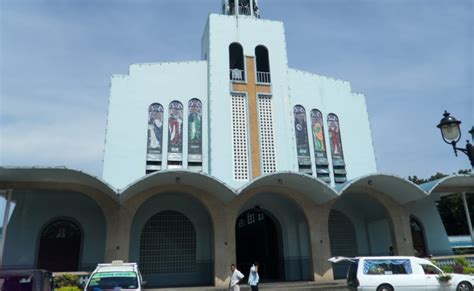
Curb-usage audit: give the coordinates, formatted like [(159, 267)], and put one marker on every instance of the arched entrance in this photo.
[(359, 225), (171, 239), (418, 236), (168, 244), (60, 246), (343, 241), (258, 238)]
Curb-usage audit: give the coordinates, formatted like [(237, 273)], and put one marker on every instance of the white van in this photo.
[(400, 273), (115, 276)]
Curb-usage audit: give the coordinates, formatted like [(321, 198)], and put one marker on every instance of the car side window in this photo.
[(387, 267), (429, 269)]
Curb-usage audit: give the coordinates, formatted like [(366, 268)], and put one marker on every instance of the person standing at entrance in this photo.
[(235, 278), (253, 277)]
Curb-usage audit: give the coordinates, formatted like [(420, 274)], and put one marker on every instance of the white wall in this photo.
[(130, 97), (249, 32), (335, 96), (125, 148), (435, 234)]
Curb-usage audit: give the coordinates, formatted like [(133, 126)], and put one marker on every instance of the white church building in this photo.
[(233, 158)]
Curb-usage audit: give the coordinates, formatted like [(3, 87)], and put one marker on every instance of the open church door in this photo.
[(258, 238)]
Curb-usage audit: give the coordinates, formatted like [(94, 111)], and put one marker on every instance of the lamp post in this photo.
[(451, 133)]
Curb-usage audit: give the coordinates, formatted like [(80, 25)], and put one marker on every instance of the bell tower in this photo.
[(241, 7)]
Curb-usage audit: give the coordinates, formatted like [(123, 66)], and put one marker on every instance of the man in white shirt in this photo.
[(253, 277), (235, 278)]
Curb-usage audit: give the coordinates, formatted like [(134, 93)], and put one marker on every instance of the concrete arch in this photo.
[(312, 188), (400, 190), (29, 218), (211, 193), (293, 252), (397, 214), (202, 181), (63, 179), (312, 196), (450, 184), (58, 179), (196, 214)]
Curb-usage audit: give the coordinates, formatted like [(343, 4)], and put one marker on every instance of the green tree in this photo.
[(451, 207)]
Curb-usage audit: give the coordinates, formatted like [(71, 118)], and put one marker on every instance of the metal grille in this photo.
[(168, 244), (343, 240), (267, 137), (342, 235), (239, 137)]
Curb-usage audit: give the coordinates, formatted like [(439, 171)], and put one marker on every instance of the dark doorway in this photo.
[(418, 237), (60, 246), (258, 239)]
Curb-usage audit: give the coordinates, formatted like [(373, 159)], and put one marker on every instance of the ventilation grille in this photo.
[(239, 137), (267, 137)]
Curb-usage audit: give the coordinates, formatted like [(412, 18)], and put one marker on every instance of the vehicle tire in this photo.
[(385, 287), (464, 286)]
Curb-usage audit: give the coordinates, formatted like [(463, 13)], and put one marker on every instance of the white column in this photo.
[(236, 7), (468, 217), (5, 224)]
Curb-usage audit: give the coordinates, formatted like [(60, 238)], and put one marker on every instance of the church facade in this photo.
[(233, 158)]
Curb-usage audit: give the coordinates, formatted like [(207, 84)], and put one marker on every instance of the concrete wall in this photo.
[(303, 222), (436, 238), (249, 32), (336, 96), (379, 237), (35, 209), (208, 80), (127, 121)]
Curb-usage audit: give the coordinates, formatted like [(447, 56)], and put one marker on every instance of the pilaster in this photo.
[(318, 217)]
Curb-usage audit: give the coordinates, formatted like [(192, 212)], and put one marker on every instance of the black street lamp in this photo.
[(451, 133)]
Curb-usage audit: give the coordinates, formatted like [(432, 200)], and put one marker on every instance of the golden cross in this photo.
[(253, 89)]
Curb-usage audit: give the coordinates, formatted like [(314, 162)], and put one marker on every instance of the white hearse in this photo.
[(115, 276), (400, 273)]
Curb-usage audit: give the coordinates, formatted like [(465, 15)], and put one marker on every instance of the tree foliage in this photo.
[(451, 207)]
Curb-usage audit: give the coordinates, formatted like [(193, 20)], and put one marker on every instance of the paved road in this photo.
[(337, 285)]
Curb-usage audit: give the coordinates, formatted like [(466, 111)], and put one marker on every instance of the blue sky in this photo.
[(411, 58)]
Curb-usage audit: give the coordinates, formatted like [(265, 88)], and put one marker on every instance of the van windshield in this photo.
[(113, 280)]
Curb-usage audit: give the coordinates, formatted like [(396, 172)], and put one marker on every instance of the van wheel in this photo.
[(385, 287), (464, 286)]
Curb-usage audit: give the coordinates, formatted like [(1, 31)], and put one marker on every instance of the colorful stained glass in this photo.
[(155, 132), (335, 140), (195, 130), (301, 132), (175, 131), (320, 152)]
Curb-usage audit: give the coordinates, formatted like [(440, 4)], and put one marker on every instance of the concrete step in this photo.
[(333, 285)]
